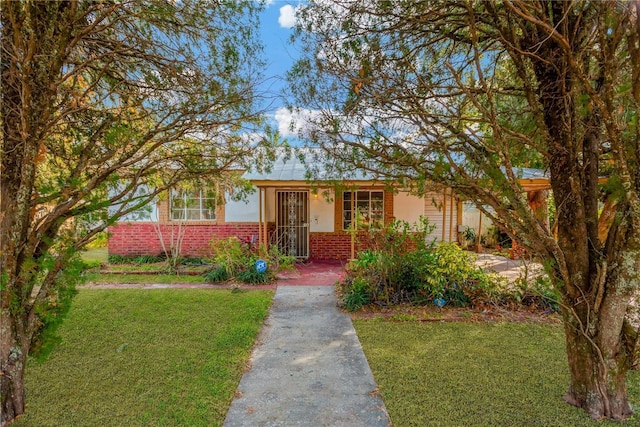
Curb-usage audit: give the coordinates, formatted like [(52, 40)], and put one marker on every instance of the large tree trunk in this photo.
[(13, 358), (598, 367), (595, 268)]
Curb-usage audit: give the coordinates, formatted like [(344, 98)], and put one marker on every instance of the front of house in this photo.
[(303, 219)]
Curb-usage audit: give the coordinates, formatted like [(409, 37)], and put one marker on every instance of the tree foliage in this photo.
[(105, 104), (465, 94)]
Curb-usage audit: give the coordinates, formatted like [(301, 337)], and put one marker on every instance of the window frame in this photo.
[(375, 219), (193, 201)]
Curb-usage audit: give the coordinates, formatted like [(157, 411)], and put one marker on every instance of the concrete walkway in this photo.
[(308, 368), (511, 269)]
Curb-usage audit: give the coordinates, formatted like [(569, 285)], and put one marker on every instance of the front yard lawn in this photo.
[(162, 357), (474, 374), (119, 278)]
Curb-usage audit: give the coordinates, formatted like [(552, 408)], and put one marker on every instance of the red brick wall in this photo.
[(330, 246), (335, 245), (141, 238)]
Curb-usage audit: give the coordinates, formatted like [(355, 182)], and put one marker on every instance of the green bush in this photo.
[(403, 267), (101, 241), (193, 261), (238, 259), (254, 277), (232, 254), (399, 237), (453, 275), (420, 276), (279, 261), (390, 267), (536, 293), (358, 296), (217, 274)]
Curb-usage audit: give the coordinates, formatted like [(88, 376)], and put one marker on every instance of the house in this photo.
[(306, 220), (534, 182)]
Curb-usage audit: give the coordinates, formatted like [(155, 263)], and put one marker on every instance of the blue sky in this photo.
[(276, 25)]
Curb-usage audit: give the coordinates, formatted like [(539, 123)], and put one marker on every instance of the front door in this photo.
[(292, 223)]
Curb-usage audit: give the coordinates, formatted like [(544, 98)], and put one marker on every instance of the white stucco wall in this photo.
[(248, 210), (407, 207), (242, 210), (321, 213)]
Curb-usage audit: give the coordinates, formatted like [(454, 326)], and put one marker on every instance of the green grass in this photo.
[(95, 255), (169, 357), (474, 374), (142, 278)]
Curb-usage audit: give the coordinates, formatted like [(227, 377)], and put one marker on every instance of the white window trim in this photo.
[(201, 208)]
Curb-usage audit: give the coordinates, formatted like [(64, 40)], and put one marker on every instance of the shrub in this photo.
[(117, 259), (252, 276), (217, 274), (231, 254), (279, 261), (452, 274), (193, 261), (419, 276), (101, 241), (238, 259), (358, 296), (536, 293), (399, 237)]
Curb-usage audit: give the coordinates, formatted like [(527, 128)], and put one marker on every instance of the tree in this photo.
[(463, 93), (105, 104)]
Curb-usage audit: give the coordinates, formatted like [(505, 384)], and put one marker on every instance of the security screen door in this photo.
[(292, 223)]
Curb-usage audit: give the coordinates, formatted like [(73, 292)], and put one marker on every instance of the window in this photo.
[(366, 207), (193, 205)]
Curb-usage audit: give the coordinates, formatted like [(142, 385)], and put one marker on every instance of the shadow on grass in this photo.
[(474, 374)]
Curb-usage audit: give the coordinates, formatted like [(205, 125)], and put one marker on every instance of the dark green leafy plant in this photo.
[(239, 260), (358, 296), (254, 277), (217, 274), (420, 275), (52, 315), (135, 259)]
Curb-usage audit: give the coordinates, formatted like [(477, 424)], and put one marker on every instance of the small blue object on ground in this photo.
[(261, 266), (440, 302)]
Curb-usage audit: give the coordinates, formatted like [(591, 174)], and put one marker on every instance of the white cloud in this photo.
[(286, 126), (293, 123), (287, 18)]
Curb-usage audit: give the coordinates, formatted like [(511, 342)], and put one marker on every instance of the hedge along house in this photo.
[(304, 219)]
